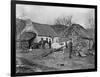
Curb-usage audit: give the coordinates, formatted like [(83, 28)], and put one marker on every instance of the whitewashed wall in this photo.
[(38, 38)]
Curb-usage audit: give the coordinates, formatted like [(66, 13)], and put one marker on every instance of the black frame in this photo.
[(13, 32)]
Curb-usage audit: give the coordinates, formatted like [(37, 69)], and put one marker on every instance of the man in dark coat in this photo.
[(49, 43), (31, 40), (45, 42), (70, 48), (66, 45), (41, 42), (93, 46)]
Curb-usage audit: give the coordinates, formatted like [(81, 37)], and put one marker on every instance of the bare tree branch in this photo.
[(65, 20), (91, 19)]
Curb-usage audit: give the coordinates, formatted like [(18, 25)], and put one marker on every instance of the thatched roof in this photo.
[(41, 29), (20, 25), (27, 26), (27, 35), (77, 29), (59, 28), (44, 30)]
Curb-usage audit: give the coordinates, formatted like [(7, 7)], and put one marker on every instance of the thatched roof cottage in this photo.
[(42, 30)]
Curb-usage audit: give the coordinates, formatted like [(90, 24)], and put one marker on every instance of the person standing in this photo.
[(45, 43), (70, 48), (41, 43), (66, 45), (31, 40), (49, 44)]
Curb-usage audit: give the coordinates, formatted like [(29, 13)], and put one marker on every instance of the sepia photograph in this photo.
[(54, 38)]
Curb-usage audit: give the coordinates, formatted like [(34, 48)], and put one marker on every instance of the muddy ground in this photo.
[(36, 62)]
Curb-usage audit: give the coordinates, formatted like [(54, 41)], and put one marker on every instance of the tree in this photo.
[(64, 20), (90, 19)]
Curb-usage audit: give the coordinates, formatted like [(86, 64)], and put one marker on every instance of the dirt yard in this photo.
[(55, 61)]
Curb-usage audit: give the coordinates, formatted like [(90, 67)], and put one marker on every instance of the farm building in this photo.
[(78, 34), (42, 31)]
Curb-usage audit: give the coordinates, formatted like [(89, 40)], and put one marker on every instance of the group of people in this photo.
[(43, 43)]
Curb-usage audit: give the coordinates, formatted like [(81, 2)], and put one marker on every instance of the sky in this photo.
[(48, 14)]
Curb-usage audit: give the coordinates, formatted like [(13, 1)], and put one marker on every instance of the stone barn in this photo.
[(79, 35)]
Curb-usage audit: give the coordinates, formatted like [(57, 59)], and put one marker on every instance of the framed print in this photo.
[(52, 38)]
